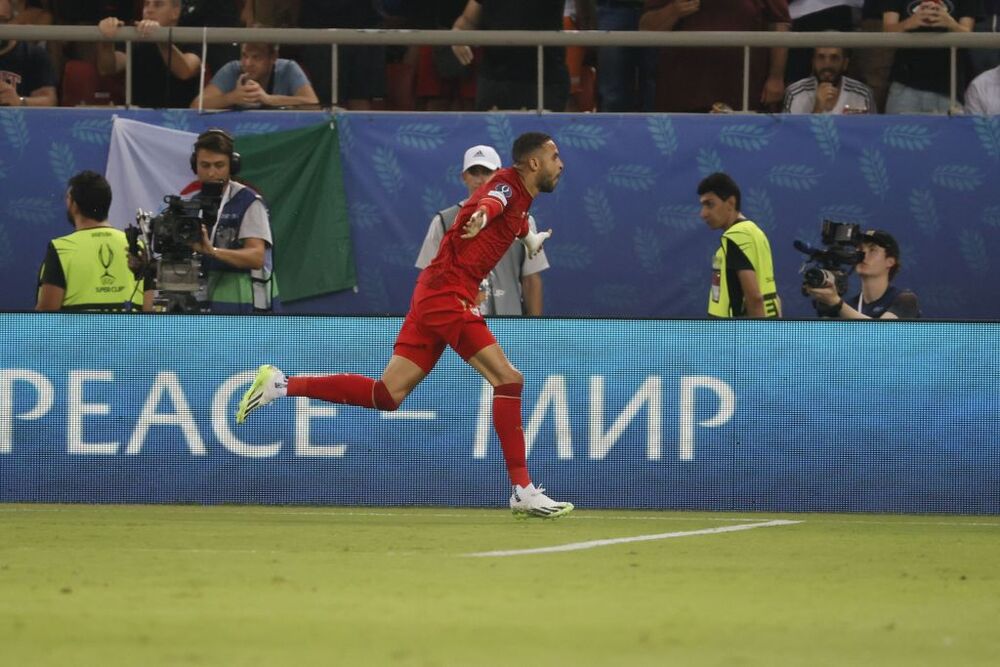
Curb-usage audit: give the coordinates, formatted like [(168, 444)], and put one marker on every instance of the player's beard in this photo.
[(549, 184)]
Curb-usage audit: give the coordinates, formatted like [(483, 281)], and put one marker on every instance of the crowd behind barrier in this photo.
[(379, 74)]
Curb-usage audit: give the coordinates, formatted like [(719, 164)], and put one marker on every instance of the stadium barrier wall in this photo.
[(627, 241), (720, 415)]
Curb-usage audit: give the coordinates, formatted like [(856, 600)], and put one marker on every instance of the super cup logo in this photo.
[(106, 256)]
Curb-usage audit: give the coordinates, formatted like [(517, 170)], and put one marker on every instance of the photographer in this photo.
[(237, 250), (878, 299), (88, 269)]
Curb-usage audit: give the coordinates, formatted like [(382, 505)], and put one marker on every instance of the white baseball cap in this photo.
[(484, 156)]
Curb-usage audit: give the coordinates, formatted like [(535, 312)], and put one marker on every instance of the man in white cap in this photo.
[(514, 287)]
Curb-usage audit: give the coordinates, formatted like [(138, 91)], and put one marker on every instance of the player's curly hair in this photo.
[(528, 143)]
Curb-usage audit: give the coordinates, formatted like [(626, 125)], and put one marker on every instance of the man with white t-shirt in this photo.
[(828, 90), (983, 94)]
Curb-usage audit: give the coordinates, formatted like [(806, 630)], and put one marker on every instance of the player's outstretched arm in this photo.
[(533, 241), (475, 223)]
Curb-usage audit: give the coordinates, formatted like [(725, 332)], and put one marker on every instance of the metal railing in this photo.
[(334, 37)]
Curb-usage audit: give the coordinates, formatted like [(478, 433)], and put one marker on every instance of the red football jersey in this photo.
[(461, 264)]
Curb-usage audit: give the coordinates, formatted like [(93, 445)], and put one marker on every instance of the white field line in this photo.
[(580, 546)]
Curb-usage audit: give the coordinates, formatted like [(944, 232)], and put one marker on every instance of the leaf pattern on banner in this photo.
[(907, 137), (62, 161), (598, 210), (662, 130), (845, 213), (636, 177), (825, 132), (371, 285), (973, 250), (176, 119), (874, 171), (345, 132), (572, 255), (453, 175), (924, 211), (746, 137), (759, 209), (422, 136), (648, 249), (709, 161), (941, 299), (3, 170), (694, 285), (960, 177), (988, 131), (14, 128), (36, 210), (679, 216), (388, 171), (794, 176), (400, 254), (92, 130), (255, 128), (991, 216), (617, 298), (364, 215), (583, 136), (501, 134), (434, 201)]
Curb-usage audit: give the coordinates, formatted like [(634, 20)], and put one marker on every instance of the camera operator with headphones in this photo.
[(237, 250), (879, 298)]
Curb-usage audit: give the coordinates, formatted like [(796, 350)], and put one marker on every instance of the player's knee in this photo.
[(383, 398)]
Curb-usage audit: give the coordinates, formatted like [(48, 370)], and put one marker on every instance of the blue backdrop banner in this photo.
[(741, 415), (628, 241)]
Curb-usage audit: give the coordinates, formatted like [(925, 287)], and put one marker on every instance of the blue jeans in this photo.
[(903, 99), (625, 76)]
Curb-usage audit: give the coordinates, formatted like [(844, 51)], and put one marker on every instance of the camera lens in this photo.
[(815, 277)]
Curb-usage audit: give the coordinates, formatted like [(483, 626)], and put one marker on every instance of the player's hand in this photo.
[(475, 224), (109, 26), (533, 242)]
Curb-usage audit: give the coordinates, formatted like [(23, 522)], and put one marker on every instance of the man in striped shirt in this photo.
[(828, 90)]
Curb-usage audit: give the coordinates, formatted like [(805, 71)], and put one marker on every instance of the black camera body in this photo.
[(167, 239), (834, 262)]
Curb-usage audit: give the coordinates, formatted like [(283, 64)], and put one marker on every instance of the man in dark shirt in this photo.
[(163, 76), (879, 298), (26, 76), (508, 76)]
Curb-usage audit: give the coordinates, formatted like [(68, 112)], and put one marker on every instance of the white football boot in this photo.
[(269, 384), (531, 501)]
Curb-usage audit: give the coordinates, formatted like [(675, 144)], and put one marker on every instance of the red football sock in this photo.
[(344, 388), (507, 422)]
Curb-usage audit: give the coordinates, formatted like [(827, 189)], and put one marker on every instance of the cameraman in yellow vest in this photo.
[(742, 271), (88, 269)]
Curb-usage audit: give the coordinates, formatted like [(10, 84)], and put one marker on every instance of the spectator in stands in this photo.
[(742, 270), (88, 269), (278, 13), (361, 69), (32, 12), (921, 77), (441, 82), (162, 74), (625, 79), (259, 79), (873, 65), (817, 16), (981, 60), (213, 14), (508, 76), (879, 299), (26, 76), (829, 90), (983, 94), (693, 79), (579, 15), (514, 286)]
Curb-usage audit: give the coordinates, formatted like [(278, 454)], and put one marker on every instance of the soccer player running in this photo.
[(443, 313)]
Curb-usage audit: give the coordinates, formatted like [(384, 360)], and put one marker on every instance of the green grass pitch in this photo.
[(191, 585)]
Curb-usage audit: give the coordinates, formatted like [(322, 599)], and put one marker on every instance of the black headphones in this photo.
[(234, 157)]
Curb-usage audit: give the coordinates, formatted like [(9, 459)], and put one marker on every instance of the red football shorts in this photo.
[(437, 319)]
